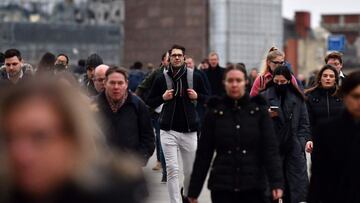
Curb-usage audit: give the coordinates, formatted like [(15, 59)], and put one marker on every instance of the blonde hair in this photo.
[(271, 55)]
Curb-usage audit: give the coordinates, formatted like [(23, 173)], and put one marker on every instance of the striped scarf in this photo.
[(116, 105), (176, 79)]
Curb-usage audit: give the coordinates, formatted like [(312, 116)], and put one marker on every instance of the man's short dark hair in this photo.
[(64, 55), (11, 53), (334, 55), (163, 56), (175, 46), (116, 69)]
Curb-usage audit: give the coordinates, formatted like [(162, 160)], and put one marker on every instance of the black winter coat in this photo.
[(129, 129), (168, 110), (335, 168), (293, 105), (322, 105), (215, 77), (242, 135)]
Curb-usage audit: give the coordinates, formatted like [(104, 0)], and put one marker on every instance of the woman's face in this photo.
[(235, 84), (40, 153), (352, 102), (274, 63), (328, 79)]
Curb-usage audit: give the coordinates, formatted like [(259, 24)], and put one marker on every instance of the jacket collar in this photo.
[(230, 102)]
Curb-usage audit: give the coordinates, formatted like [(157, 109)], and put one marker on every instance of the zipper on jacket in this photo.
[(187, 120), (172, 117), (328, 103)]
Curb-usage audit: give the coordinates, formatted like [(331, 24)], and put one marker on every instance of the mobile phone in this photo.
[(274, 108)]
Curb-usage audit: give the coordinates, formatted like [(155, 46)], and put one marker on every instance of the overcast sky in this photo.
[(318, 7)]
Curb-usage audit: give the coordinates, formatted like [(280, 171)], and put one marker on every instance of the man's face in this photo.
[(177, 58), (116, 86), (13, 66), (213, 61), (336, 63), (165, 61), (190, 63), (99, 79), (90, 72), (352, 102), (61, 60)]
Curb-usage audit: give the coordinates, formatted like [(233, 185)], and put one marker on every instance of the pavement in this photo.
[(158, 191)]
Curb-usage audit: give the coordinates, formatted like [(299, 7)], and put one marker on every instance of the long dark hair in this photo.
[(317, 82), (284, 71)]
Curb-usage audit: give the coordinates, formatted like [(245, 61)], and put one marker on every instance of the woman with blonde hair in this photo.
[(51, 150), (274, 58)]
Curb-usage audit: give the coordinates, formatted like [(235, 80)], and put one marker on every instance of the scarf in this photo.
[(116, 105), (176, 79)]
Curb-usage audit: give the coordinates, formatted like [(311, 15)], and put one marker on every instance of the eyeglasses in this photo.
[(176, 55), (278, 62)]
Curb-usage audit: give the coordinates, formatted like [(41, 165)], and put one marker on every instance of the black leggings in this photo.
[(251, 196)]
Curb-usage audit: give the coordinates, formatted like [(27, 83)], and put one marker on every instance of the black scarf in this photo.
[(176, 79)]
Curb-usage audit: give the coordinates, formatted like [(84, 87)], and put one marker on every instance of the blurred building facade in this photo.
[(152, 27), (304, 47), (244, 30), (348, 25), (75, 27)]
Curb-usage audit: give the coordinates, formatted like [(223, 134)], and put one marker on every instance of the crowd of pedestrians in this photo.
[(83, 134)]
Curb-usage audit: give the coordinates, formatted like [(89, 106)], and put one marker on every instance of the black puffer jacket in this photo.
[(242, 135), (322, 105)]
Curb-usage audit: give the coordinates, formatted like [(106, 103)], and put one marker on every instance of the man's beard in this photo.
[(14, 74)]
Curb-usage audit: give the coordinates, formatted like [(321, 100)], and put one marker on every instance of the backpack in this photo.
[(135, 78), (189, 78)]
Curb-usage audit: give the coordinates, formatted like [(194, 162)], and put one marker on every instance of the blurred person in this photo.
[(125, 118), (200, 108), (335, 169), (143, 90), (253, 75), (204, 64), (15, 71), (179, 89), (239, 129), (46, 64), (274, 58), (62, 62), (92, 62), (323, 101), (312, 78), (335, 59), (52, 150), (242, 67), (215, 74), (301, 79), (80, 68), (190, 63), (2, 59), (291, 122), (150, 68), (99, 77), (136, 76)]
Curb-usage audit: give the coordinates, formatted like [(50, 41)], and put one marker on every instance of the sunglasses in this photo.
[(278, 62)]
